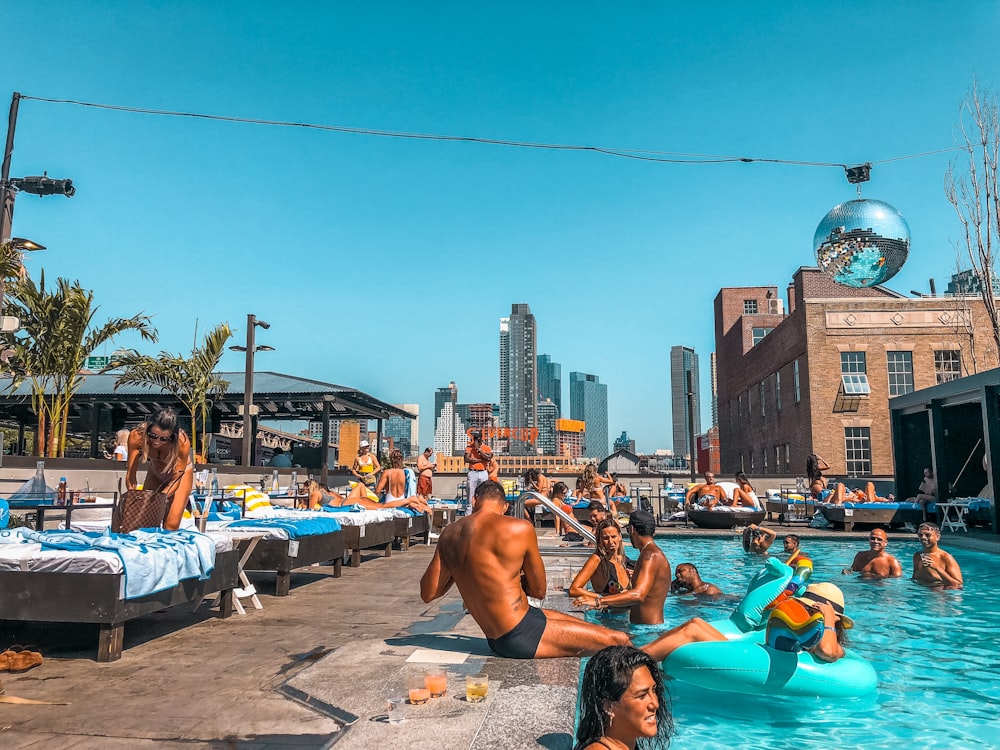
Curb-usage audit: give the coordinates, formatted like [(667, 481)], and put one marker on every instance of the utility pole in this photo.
[(6, 191)]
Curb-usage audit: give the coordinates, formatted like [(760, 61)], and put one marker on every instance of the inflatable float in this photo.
[(746, 664)]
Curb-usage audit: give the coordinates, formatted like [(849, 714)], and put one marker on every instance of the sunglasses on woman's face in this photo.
[(159, 438)]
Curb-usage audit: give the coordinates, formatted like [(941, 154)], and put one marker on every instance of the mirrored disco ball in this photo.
[(862, 243)]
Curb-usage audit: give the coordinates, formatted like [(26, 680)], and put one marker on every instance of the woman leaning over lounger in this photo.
[(165, 448)]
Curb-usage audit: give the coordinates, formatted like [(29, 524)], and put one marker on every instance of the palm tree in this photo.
[(193, 380), (50, 349)]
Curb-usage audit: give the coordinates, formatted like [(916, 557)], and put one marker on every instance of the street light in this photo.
[(9, 324), (251, 348), (37, 185)]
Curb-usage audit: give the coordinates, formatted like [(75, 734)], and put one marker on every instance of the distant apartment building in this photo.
[(449, 430), (684, 360), (550, 382), (548, 413), (404, 432), (519, 378), (588, 402), (819, 378), (967, 282), (571, 435), (625, 443), (714, 380)]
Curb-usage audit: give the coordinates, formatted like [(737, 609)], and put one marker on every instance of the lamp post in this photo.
[(251, 348), (38, 185)]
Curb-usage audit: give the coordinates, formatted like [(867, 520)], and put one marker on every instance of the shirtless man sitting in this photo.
[(875, 562), (495, 562), (650, 581), (708, 495), (933, 565), (687, 580)]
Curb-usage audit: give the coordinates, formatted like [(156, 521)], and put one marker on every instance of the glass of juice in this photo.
[(417, 689), (436, 681), (477, 686)]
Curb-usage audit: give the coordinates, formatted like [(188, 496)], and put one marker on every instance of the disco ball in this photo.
[(862, 243)]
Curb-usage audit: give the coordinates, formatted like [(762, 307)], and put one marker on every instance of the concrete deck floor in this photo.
[(307, 671)]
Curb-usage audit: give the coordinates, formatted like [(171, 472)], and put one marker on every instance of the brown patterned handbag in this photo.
[(139, 509)]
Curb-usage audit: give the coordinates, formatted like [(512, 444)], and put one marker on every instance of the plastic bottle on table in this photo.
[(274, 481), (294, 483), (61, 492), (215, 482)]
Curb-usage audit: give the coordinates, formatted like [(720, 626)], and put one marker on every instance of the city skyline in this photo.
[(619, 243)]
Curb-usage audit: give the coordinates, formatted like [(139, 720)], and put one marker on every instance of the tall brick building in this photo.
[(818, 378)]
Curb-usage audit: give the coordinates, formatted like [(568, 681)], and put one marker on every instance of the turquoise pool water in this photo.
[(937, 655)]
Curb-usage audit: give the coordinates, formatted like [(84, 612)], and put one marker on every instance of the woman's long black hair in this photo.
[(812, 468), (605, 680)]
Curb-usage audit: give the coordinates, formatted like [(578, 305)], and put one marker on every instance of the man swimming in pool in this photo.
[(687, 580), (495, 562), (932, 565), (875, 562)]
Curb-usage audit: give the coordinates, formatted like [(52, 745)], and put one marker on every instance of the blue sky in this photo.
[(385, 264)]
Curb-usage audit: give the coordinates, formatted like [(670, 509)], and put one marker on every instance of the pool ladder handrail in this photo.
[(517, 510)]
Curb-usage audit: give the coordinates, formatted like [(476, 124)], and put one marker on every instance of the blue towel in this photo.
[(343, 508), (153, 560), (295, 527)]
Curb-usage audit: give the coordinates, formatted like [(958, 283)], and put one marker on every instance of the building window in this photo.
[(763, 397), (788, 457), (763, 455), (854, 374), (777, 459), (731, 411), (795, 381), (759, 334), (858, 449), (739, 407), (947, 365), (777, 394), (900, 372), (749, 307)]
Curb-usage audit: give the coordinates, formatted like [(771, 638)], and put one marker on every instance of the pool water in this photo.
[(937, 655)]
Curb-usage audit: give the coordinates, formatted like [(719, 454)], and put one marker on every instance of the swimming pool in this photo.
[(935, 652)]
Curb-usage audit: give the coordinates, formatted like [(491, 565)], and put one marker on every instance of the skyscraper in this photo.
[(548, 413), (550, 382), (519, 376), (588, 402), (404, 432), (446, 421), (683, 360)]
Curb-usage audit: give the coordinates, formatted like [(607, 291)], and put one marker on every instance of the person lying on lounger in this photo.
[(841, 495), (494, 560), (320, 496), (707, 495)]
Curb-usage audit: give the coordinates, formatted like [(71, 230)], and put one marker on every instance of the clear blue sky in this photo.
[(385, 264)]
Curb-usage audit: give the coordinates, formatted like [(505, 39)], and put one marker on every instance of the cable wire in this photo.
[(664, 157)]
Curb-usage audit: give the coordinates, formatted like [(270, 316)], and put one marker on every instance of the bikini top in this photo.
[(614, 585)]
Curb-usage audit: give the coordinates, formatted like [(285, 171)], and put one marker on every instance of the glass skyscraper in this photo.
[(683, 360), (588, 401), (519, 376), (550, 382)]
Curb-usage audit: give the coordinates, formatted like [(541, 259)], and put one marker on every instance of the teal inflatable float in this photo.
[(745, 664)]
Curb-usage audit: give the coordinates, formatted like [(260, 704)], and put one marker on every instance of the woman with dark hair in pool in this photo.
[(623, 703), (607, 569)]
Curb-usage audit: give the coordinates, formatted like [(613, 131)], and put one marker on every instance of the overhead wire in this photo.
[(665, 157)]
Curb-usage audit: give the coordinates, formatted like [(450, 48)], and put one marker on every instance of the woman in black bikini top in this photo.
[(606, 570)]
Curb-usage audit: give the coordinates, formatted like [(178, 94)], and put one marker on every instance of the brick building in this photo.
[(818, 378)]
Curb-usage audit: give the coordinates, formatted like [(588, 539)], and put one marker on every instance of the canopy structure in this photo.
[(277, 397)]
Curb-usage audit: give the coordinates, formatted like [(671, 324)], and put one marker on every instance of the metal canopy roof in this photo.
[(278, 396)]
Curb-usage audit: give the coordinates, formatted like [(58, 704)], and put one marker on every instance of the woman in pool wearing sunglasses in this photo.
[(166, 449)]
